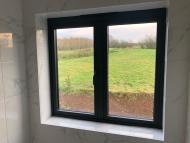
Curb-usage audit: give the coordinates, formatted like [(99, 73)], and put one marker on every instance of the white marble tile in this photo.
[(42, 44), (177, 71), (12, 26), (14, 79), (44, 84), (17, 119), (3, 129), (1, 84), (11, 9), (14, 54), (176, 82), (133, 132), (13, 127), (177, 46)]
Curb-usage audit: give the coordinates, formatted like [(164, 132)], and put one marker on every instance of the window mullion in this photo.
[(100, 68)]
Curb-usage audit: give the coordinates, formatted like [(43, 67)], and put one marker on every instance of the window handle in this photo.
[(94, 79)]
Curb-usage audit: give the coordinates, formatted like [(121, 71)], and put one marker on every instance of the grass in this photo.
[(130, 71)]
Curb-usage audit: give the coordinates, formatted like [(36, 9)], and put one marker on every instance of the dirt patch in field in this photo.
[(131, 105)]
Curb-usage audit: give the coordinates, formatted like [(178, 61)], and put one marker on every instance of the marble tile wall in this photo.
[(13, 91), (14, 120), (177, 63), (177, 70), (19, 107)]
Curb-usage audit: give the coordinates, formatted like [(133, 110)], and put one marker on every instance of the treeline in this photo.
[(114, 43), (74, 43), (148, 43), (83, 43)]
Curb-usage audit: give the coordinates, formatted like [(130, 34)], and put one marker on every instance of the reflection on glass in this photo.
[(132, 53), (75, 69), (6, 40)]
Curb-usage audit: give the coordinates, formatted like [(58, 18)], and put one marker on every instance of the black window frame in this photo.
[(100, 22)]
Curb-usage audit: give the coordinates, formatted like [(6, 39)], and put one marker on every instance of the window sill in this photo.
[(129, 131)]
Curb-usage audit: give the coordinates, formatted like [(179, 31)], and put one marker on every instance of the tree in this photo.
[(148, 43), (114, 43)]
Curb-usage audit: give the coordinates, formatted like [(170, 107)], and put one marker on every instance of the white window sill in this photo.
[(130, 131)]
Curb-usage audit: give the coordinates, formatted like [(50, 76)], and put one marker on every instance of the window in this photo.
[(75, 69), (109, 67)]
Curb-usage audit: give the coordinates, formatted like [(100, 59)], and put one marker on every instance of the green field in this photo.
[(130, 71)]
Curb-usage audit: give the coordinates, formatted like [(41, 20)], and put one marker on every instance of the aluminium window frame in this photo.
[(100, 23)]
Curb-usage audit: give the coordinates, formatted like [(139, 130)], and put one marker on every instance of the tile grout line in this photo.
[(1, 67)]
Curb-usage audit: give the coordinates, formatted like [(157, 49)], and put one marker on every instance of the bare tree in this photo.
[(114, 43), (148, 43)]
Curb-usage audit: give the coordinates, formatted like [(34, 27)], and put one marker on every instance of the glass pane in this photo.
[(132, 55), (75, 69)]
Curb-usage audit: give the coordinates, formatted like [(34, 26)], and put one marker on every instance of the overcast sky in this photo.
[(129, 33)]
